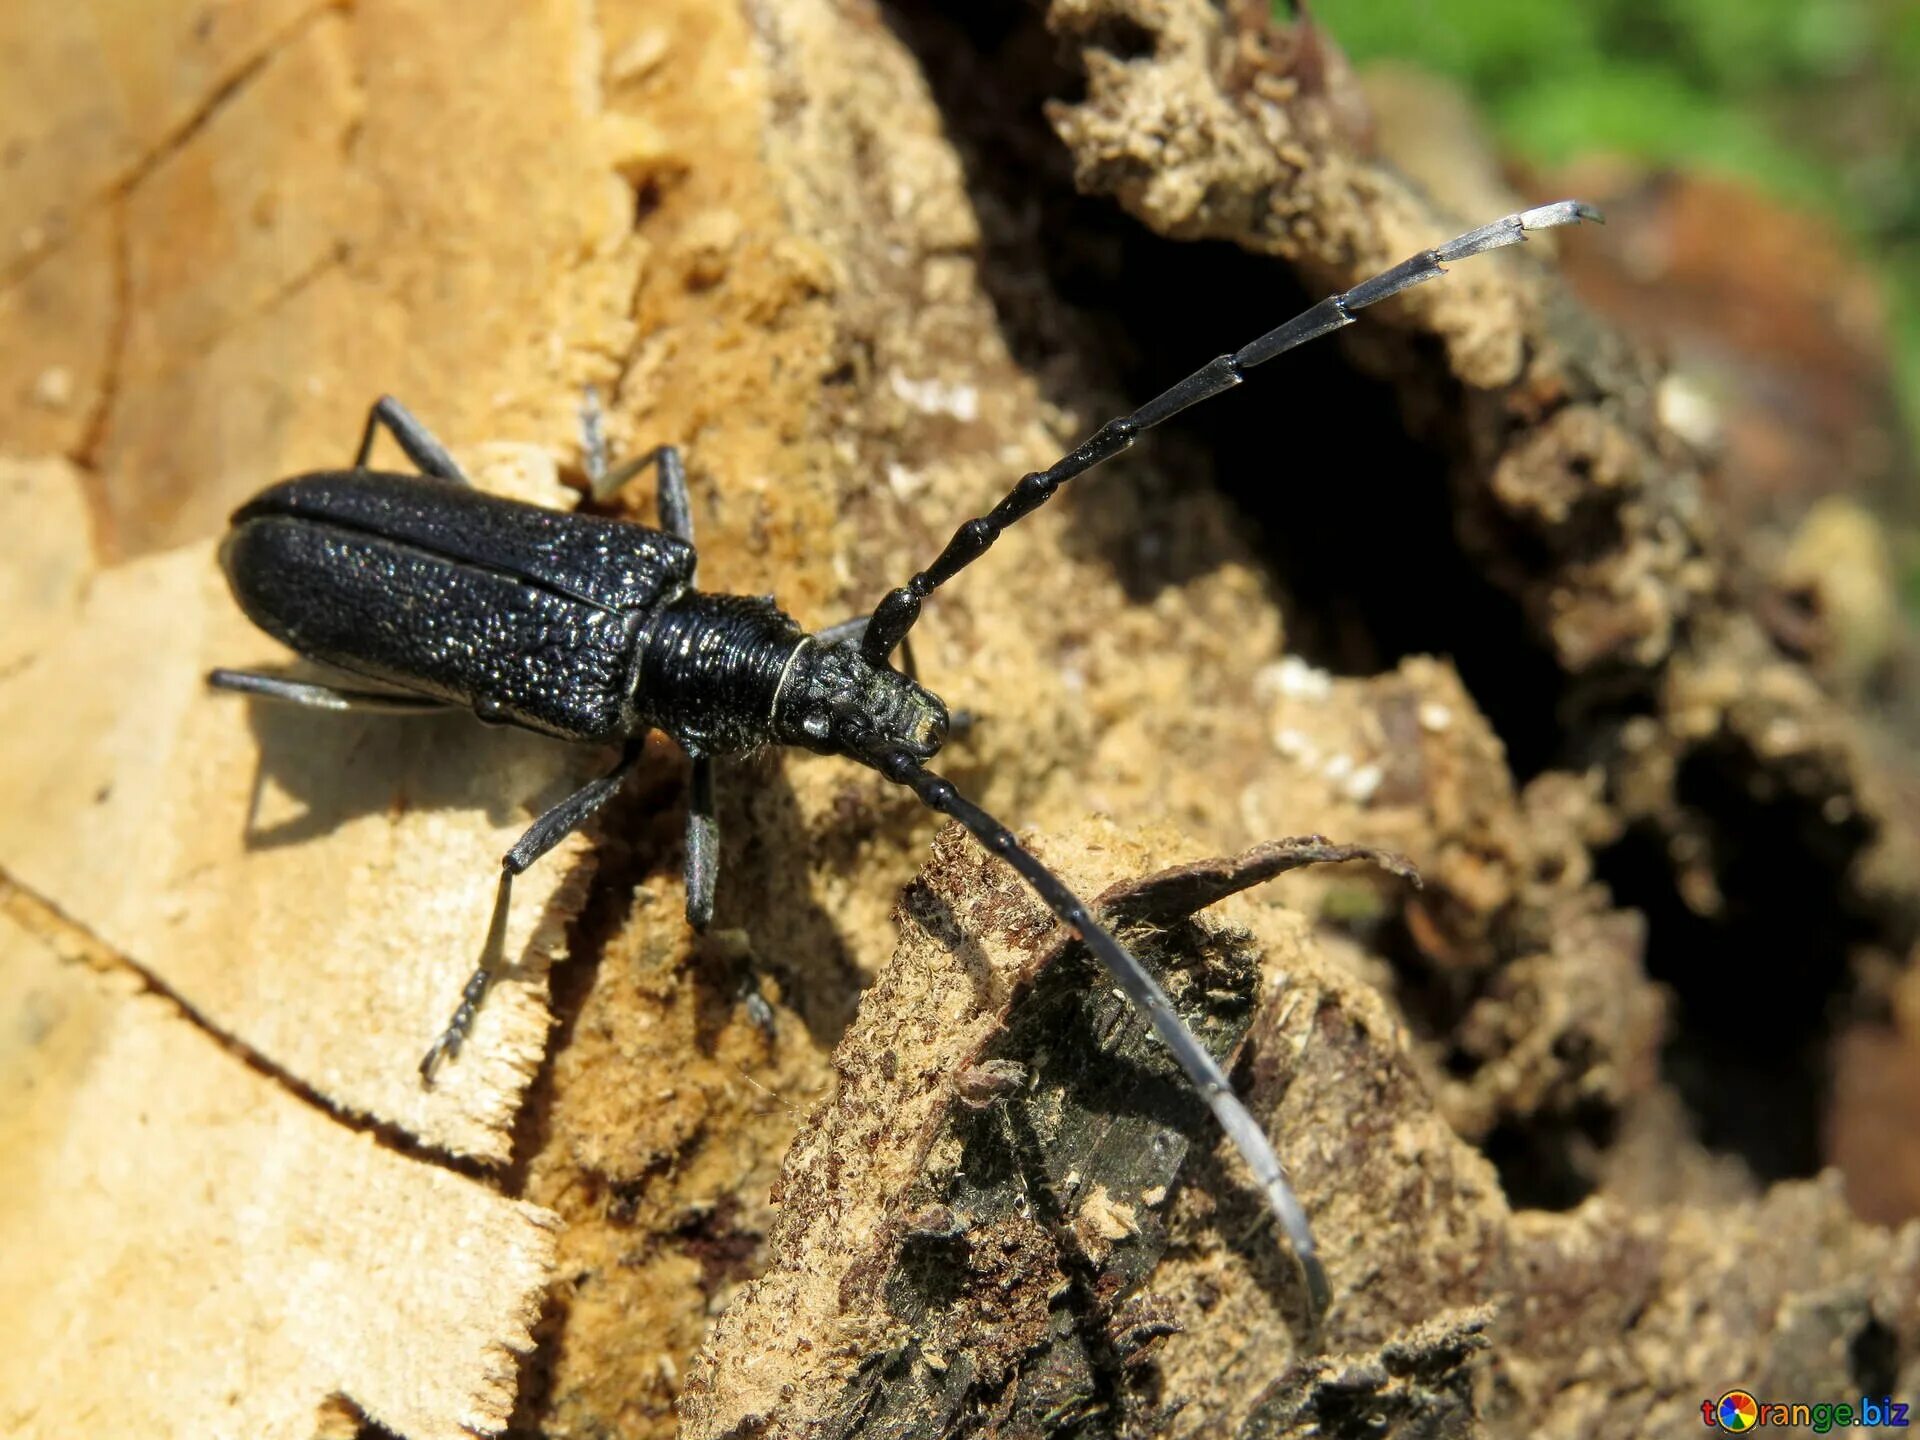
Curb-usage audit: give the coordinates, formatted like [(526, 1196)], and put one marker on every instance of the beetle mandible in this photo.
[(590, 629)]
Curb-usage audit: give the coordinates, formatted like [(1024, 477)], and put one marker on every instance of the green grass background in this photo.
[(1814, 101)]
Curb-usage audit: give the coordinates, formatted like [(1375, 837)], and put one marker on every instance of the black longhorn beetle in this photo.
[(590, 629)]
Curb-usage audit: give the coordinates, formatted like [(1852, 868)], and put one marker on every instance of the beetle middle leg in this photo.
[(676, 518), (422, 448), (676, 511), (541, 836), (703, 821)]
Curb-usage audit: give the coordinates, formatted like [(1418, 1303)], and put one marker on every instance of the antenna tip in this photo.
[(1561, 212)]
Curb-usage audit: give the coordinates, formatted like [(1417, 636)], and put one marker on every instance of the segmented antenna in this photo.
[(1148, 998), (896, 613)]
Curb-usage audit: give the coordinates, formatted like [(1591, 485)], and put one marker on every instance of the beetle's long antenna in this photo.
[(1148, 998), (895, 615)]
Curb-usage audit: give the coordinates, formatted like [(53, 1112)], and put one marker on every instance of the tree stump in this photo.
[(1467, 602)]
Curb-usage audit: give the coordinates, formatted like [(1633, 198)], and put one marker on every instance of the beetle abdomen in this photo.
[(509, 649)]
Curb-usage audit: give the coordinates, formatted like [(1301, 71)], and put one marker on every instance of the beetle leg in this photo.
[(418, 441), (854, 631), (757, 1008), (324, 697), (676, 511), (703, 873), (676, 517), (703, 845), (593, 440), (545, 833)]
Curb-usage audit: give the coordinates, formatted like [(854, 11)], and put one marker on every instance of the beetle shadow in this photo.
[(768, 849), (328, 769), (316, 771), (928, 909)]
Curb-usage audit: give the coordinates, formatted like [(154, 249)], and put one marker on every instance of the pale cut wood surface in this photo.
[(231, 225), (208, 1256), (314, 886)]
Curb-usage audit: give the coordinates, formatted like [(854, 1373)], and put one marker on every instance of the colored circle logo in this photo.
[(1737, 1411)]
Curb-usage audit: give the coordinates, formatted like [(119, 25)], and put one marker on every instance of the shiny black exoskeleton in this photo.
[(591, 629), (578, 626)]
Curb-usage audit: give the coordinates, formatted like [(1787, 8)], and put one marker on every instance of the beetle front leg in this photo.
[(418, 441), (545, 833)]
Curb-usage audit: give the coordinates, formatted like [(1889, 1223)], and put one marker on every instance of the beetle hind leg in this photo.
[(541, 836), (323, 697)]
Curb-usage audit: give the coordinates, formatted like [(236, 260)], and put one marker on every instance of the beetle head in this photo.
[(836, 701)]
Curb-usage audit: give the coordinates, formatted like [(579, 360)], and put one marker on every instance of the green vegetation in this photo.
[(1816, 101)]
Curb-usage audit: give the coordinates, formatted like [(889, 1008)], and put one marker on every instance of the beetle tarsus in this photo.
[(447, 1047)]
